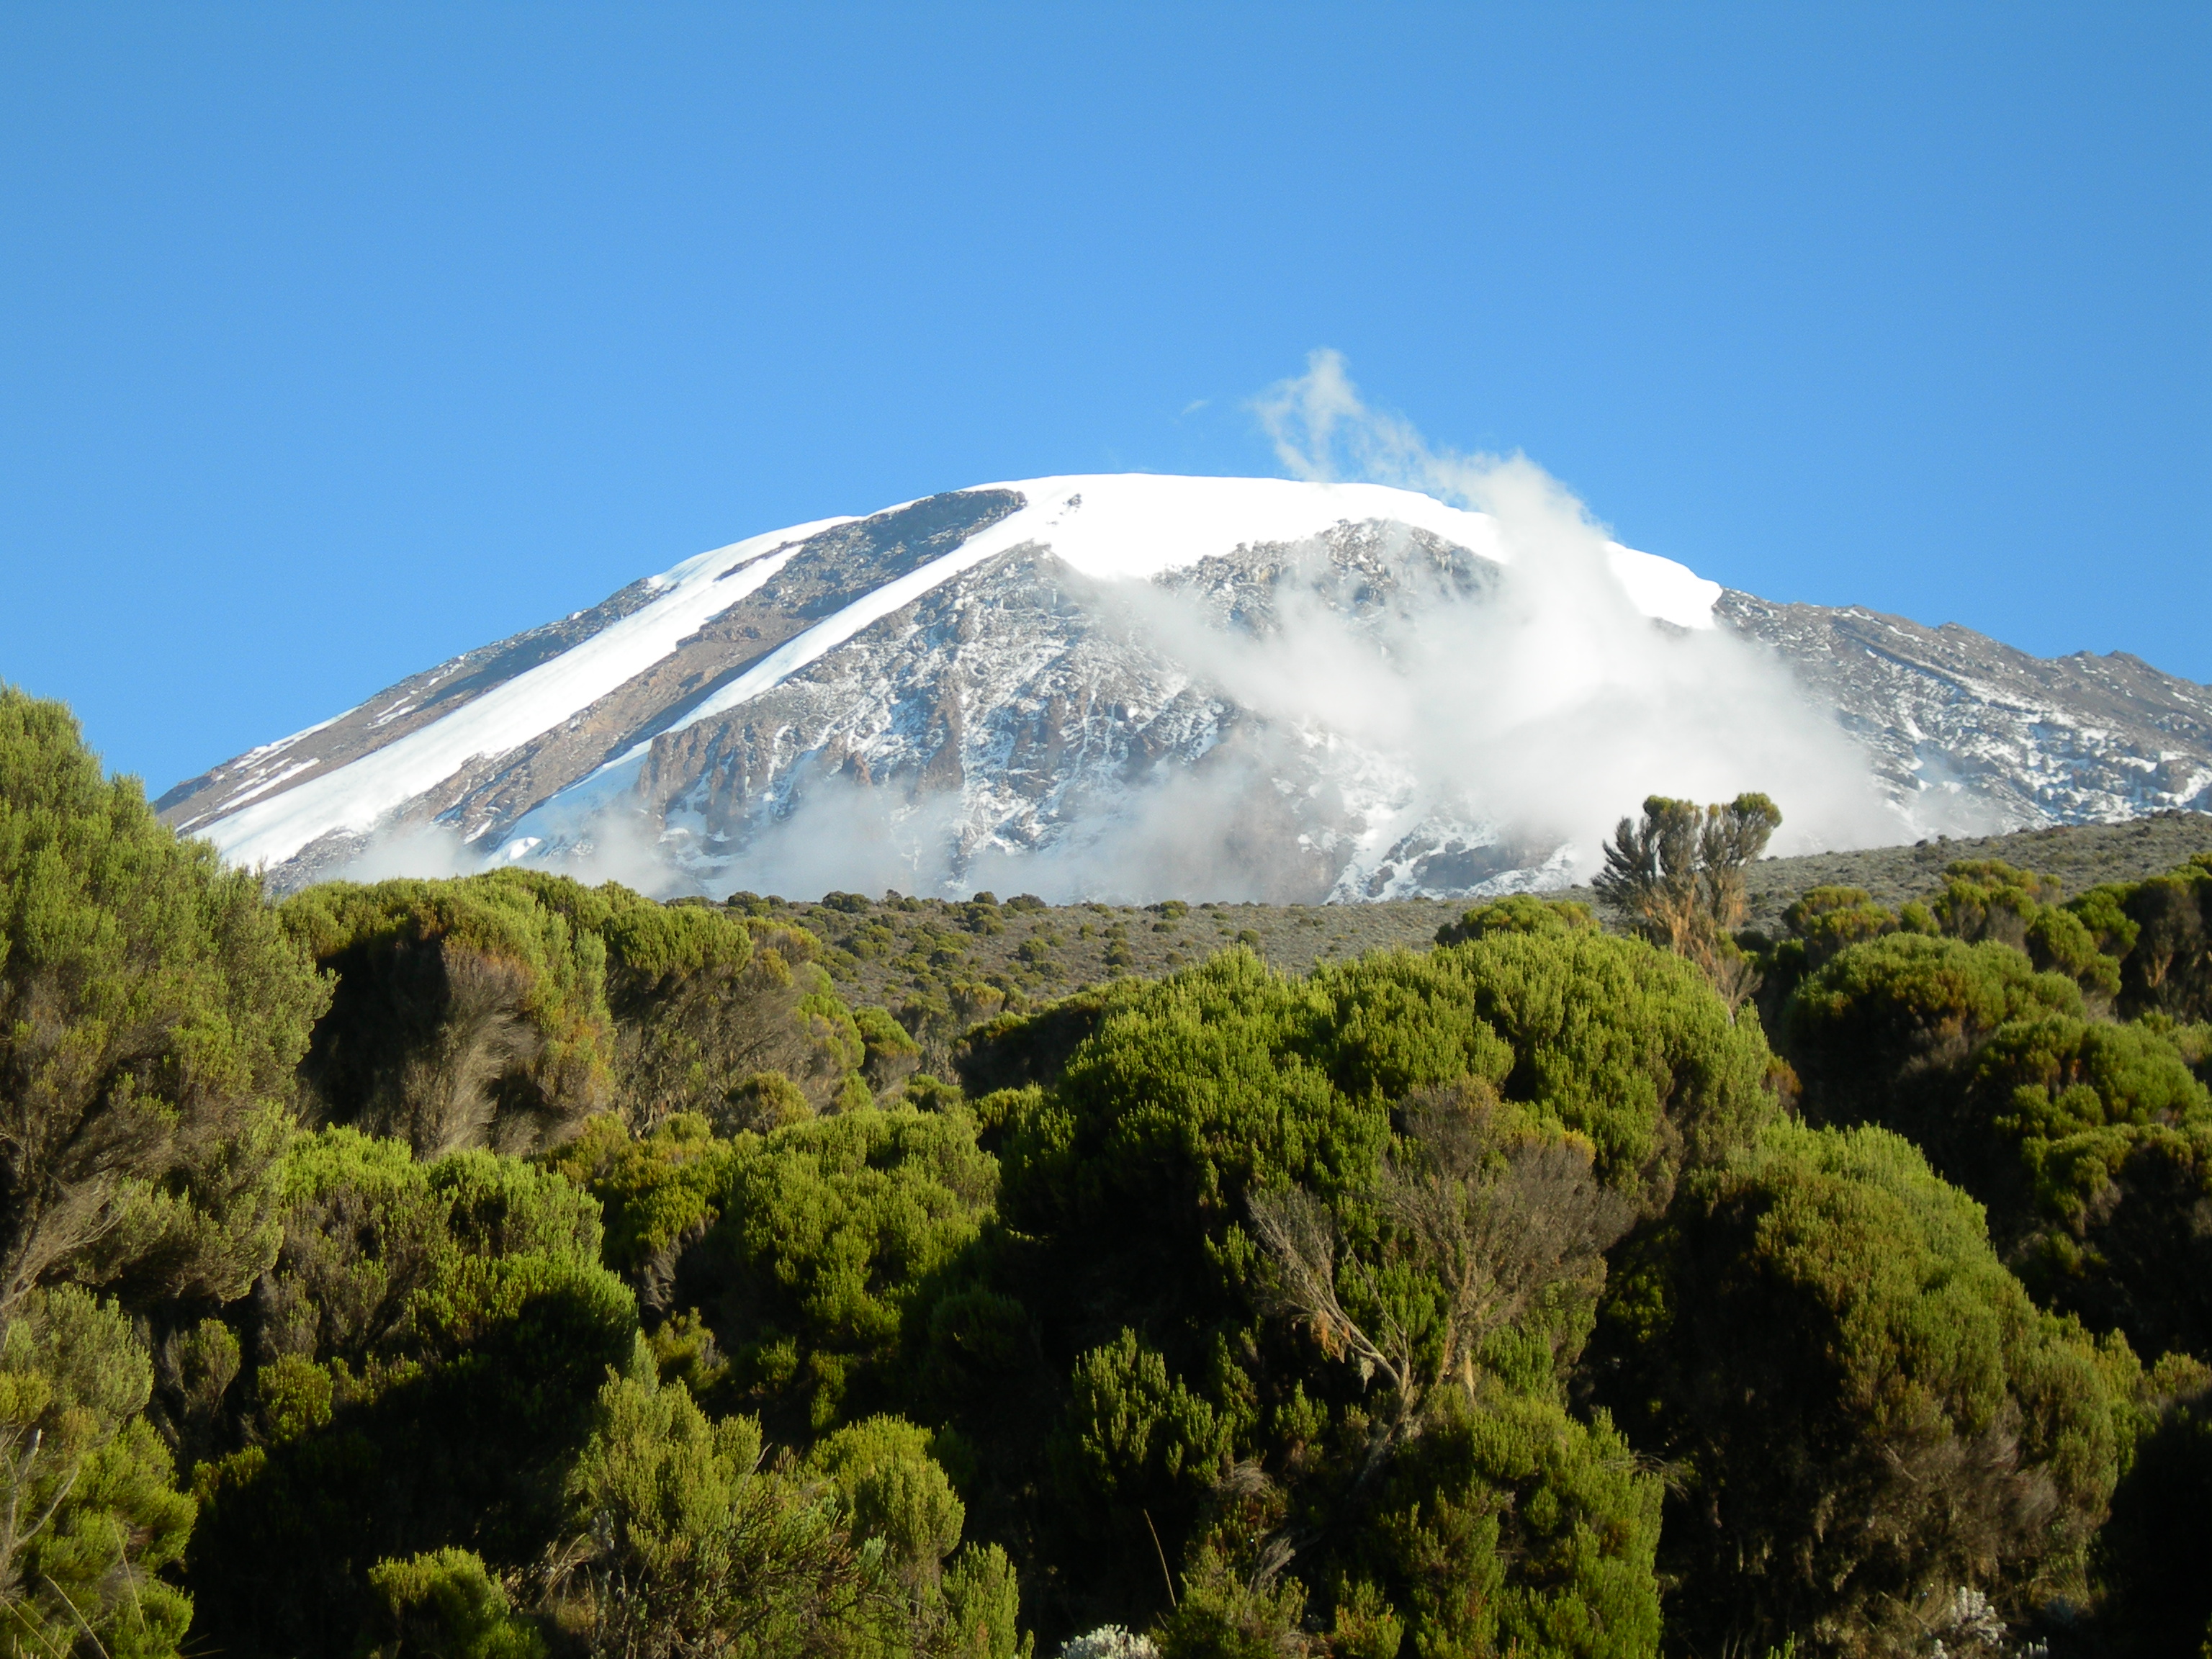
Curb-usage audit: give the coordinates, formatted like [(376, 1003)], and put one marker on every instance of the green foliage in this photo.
[(715, 1041), (1012, 1051), (425, 1353), (2164, 926), (2074, 1096), (695, 1546), (444, 1604), (389, 1263), (1227, 1077), (199, 1236), (469, 1012), (1862, 1401), (1130, 1183), (1823, 922), (1493, 1228), (1518, 913), (1514, 1529), (830, 1231), (809, 1247), (940, 1020), (1988, 899), (656, 1191), (1878, 1034), (1226, 1613), (1982, 902), (2090, 1142), (700, 1543), (892, 1490), (892, 1057), (2126, 1249), (1624, 1045), (500, 1010), (151, 1012), (982, 1606), (89, 1515), (1135, 1436), (1830, 920)]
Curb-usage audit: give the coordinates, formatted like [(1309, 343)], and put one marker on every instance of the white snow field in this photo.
[(1109, 526), (357, 795)]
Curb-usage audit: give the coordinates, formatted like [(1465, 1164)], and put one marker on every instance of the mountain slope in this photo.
[(1146, 685)]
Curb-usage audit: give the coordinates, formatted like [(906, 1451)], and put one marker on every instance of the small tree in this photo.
[(1493, 1207), (1680, 875)]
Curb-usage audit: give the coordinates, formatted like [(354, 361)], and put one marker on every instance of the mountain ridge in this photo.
[(993, 664)]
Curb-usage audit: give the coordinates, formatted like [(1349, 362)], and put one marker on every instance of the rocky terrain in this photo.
[(1031, 684), (2040, 740)]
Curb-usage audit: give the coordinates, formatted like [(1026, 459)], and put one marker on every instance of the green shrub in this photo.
[(500, 1010), (1882, 1032), (698, 1039), (151, 1014), (469, 1012), (657, 1191), (1863, 1402), (831, 1231), (892, 1057), (1513, 1528), (1128, 1200), (2090, 1142), (1518, 913), (424, 1356), (443, 1603), (699, 1542), (93, 1517), (892, 1490), (2165, 926)]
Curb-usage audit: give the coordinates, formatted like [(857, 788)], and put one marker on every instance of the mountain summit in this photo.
[(1141, 685)]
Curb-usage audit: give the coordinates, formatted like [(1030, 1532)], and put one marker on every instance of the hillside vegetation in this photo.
[(887, 950), (500, 1267)]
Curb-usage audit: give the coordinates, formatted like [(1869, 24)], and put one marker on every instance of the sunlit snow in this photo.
[(1108, 526)]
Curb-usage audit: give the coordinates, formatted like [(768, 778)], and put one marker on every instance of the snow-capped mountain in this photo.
[(1153, 684)]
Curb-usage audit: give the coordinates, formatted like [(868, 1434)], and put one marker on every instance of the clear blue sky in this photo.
[(334, 342)]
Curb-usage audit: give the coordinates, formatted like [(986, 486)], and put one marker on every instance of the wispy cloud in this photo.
[(1535, 708)]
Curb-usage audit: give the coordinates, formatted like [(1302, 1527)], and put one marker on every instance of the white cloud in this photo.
[(1538, 712)]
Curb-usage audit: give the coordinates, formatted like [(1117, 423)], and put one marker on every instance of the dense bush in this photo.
[(151, 1014), (832, 1234), (1867, 1410), (2089, 1141), (502, 1010), (1477, 1301), (421, 1364), (2162, 930), (89, 1514), (700, 1541), (1132, 1268)]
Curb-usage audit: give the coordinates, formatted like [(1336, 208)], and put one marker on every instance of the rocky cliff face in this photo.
[(1025, 678), (2020, 742)]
